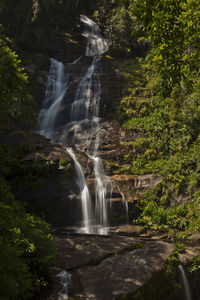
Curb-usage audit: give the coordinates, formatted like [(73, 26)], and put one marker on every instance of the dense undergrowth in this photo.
[(25, 241), (168, 144), (162, 106)]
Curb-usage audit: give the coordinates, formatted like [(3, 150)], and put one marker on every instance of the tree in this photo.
[(25, 242), (162, 23), (16, 104)]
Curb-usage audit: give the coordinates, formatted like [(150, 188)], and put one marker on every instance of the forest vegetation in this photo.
[(159, 42), (166, 118)]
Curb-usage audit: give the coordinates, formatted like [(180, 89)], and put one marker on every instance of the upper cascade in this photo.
[(96, 43)]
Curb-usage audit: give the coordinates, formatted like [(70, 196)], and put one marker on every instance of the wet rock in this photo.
[(138, 181), (133, 186)]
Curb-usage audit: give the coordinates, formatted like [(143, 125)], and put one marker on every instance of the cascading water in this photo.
[(96, 44), (82, 130), (85, 196), (185, 283), (91, 95), (64, 279), (87, 96), (103, 191), (55, 91)]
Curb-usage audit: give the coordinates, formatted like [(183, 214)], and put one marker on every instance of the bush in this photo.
[(25, 248)]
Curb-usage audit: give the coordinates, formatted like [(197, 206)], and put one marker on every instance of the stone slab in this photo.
[(78, 251), (120, 275)]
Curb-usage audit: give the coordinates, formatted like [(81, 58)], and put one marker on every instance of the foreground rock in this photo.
[(79, 251), (120, 276), (106, 268)]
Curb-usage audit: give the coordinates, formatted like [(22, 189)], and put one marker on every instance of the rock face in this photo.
[(133, 186), (107, 268), (51, 189), (122, 276), (80, 251)]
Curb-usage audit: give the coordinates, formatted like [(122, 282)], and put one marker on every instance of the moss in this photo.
[(132, 71), (130, 248)]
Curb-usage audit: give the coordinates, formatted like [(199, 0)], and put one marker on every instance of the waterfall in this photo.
[(55, 91), (64, 279), (85, 196), (96, 44), (103, 194), (87, 96), (82, 128), (186, 286)]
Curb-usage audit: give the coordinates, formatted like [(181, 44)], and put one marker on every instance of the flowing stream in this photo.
[(81, 131)]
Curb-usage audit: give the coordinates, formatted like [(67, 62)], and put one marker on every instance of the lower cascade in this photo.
[(185, 283), (80, 130), (85, 196), (64, 279)]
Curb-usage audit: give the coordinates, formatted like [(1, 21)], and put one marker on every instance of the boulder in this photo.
[(122, 275), (130, 229)]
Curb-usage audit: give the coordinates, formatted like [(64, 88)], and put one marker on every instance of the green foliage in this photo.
[(25, 251), (25, 242), (167, 130), (130, 248), (16, 104), (193, 266), (118, 23), (180, 247), (172, 27)]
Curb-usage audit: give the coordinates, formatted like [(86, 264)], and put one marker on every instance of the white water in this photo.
[(89, 92), (87, 96), (103, 194), (96, 44), (82, 130), (55, 91), (64, 279), (85, 196), (186, 285)]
